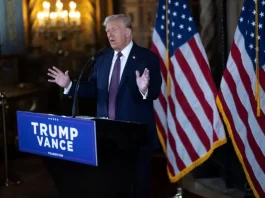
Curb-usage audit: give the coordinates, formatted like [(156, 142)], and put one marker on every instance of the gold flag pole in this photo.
[(167, 51), (257, 94)]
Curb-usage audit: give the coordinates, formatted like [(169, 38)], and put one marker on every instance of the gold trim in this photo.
[(198, 162), (239, 155)]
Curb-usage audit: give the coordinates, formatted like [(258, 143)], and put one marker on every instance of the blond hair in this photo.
[(125, 19)]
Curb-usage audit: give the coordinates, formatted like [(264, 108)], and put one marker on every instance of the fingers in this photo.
[(52, 75), (146, 75), (50, 80), (137, 74), (57, 70), (146, 81), (52, 72)]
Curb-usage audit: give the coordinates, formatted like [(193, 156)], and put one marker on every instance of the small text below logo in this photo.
[(53, 119)]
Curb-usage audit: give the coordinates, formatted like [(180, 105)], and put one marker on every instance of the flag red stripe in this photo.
[(164, 136), (206, 73), (240, 145), (185, 67), (182, 135), (163, 102), (242, 112), (170, 167), (215, 138), (163, 68), (247, 84), (161, 128), (163, 71), (203, 65), (244, 76), (262, 78)]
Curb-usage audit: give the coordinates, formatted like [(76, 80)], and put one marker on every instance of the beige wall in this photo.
[(233, 13), (207, 15), (143, 14)]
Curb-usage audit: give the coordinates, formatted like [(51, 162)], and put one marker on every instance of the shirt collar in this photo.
[(125, 52)]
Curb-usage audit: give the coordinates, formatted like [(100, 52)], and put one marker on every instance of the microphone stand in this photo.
[(2, 102), (77, 86), (87, 65)]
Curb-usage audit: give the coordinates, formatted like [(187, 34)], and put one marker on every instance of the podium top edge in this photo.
[(80, 117)]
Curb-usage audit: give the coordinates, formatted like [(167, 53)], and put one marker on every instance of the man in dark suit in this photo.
[(125, 81)]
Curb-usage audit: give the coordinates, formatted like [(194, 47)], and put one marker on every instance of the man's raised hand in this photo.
[(143, 81), (58, 77)]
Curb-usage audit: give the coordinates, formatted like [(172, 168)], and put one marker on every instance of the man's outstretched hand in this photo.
[(143, 81), (58, 77)]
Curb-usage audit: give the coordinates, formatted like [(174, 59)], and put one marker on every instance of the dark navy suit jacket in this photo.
[(130, 105)]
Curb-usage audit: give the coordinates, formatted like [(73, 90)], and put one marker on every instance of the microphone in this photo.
[(89, 63)]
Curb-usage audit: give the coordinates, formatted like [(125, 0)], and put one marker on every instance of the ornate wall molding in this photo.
[(142, 13), (12, 40)]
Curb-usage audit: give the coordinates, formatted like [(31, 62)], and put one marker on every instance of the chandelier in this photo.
[(59, 24), (58, 18)]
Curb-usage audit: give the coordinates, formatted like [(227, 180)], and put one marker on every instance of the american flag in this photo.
[(237, 97), (187, 117)]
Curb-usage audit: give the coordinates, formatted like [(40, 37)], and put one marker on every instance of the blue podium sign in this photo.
[(60, 137)]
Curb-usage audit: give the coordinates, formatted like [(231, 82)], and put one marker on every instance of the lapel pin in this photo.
[(133, 57)]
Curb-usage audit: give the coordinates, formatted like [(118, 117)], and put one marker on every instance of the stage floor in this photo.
[(38, 184)]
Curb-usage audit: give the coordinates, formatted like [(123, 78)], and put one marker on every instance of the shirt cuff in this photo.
[(144, 95), (66, 90)]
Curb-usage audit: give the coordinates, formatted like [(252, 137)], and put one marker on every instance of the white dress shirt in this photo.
[(125, 54)]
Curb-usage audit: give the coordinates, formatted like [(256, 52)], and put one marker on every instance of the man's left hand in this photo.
[(143, 81)]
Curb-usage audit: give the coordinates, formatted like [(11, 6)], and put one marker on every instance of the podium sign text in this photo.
[(58, 137)]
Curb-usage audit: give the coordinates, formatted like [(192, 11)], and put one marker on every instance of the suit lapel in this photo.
[(107, 66), (127, 69)]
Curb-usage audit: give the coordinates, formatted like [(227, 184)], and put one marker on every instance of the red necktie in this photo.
[(113, 87)]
